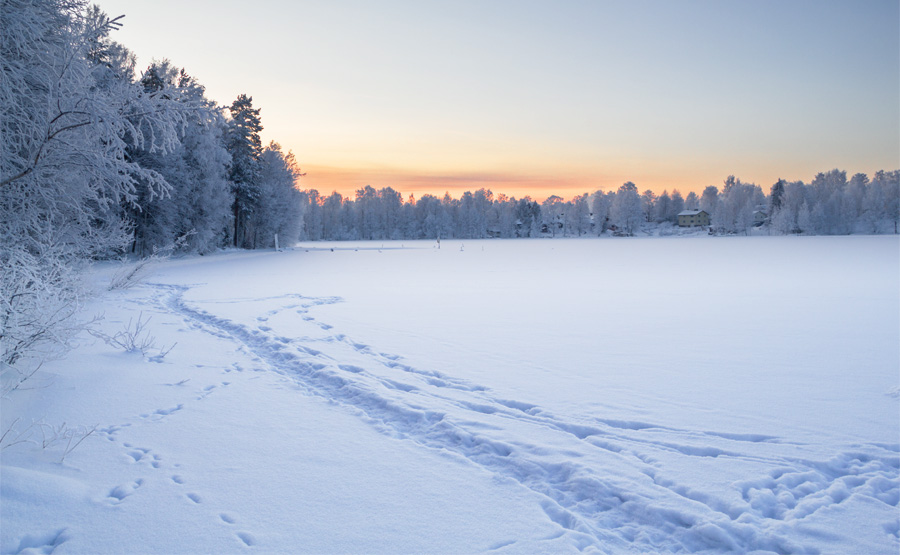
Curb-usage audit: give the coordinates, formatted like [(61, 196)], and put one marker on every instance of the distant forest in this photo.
[(829, 205)]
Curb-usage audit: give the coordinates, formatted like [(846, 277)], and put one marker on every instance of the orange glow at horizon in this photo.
[(327, 179), (346, 181)]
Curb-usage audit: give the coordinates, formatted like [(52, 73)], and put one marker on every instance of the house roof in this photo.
[(691, 212)]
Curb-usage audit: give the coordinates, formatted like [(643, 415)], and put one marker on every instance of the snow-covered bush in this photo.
[(135, 338)]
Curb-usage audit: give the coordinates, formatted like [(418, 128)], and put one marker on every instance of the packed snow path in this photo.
[(599, 477)]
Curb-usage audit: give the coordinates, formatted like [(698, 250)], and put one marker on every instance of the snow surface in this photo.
[(630, 395)]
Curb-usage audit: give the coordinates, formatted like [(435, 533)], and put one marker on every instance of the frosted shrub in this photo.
[(135, 338)]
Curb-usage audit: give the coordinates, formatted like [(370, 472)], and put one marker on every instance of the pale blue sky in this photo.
[(542, 97)]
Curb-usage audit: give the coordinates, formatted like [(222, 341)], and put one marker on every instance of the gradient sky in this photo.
[(546, 97)]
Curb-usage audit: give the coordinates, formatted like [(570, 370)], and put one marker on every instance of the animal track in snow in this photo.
[(142, 454), (42, 543), (111, 431), (246, 538), (159, 414), (208, 390), (138, 454), (119, 493), (501, 545)]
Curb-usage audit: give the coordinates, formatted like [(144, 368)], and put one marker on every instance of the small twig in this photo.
[(6, 433), (23, 436), (69, 447)]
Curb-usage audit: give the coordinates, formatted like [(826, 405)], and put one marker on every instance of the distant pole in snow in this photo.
[(276, 242)]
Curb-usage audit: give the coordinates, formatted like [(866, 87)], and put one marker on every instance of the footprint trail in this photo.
[(601, 481)]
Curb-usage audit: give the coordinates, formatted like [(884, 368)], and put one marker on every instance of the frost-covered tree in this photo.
[(329, 215), (776, 196), (68, 110), (600, 206), (889, 185), (482, 201), (391, 213), (782, 221), (197, 206), (466, 227), (528, 218), (552, 214), (504, 217), (649, 201), (660, 212), (805, 220), (408, 219), (626, 212), (827, 192), (676, 207), (692, 201), (449, 215), (709, 199), (366, 205), (245, 147), (429, 212), (279, 210), (204, 194), (313, 215), (734, 211), (577, 215)]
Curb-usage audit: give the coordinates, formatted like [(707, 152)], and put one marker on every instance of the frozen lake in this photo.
[(631, 395)]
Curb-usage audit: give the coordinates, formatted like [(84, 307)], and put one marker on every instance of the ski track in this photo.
[(598, 480)]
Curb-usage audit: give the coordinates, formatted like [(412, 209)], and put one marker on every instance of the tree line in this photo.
[(829, 205)]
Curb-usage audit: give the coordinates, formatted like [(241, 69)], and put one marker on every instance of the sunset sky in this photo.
[(539, 98)]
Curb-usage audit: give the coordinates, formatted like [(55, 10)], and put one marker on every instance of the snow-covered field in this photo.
[(630, 395)]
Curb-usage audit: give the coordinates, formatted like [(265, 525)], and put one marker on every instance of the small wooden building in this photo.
[(759, 218), (691, 218)]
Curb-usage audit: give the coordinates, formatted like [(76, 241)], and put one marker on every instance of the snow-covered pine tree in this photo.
[(776, 196), (245, 147)]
